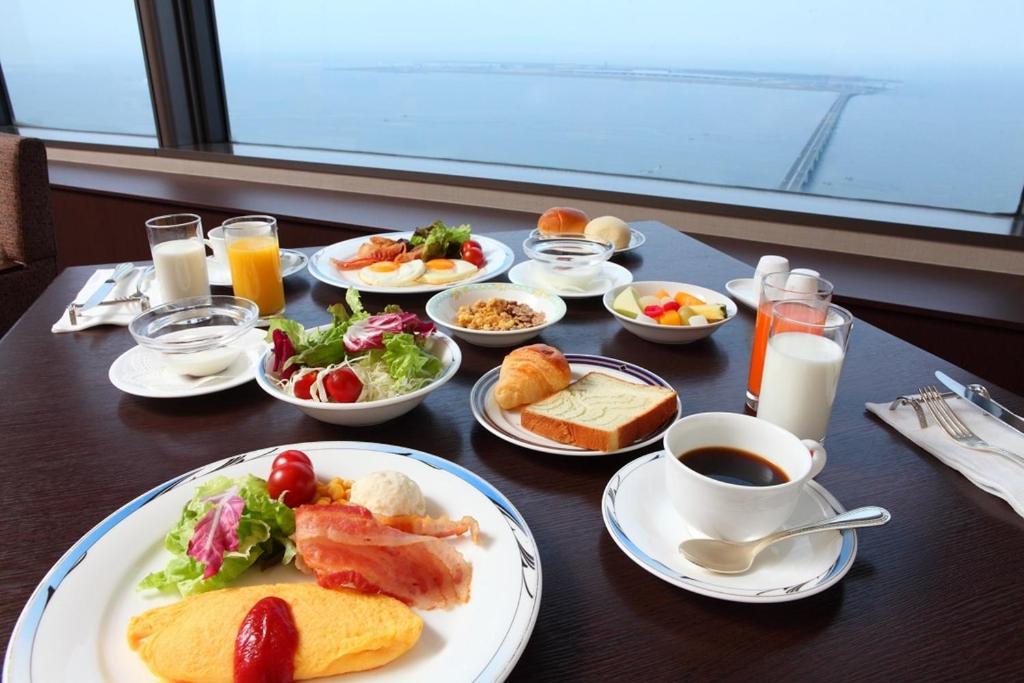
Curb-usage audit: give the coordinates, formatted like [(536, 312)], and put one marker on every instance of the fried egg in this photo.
[(391, 274), (440, 271)]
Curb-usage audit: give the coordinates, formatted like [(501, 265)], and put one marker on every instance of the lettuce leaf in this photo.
[(440, 240), (407, 361), (263, 528)]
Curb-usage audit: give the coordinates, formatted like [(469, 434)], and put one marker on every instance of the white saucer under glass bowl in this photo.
[(443, 309), (646, 527), (610, 275)]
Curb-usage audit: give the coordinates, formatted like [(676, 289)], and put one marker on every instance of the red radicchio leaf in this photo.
[(283, 350), (369, 334), (217, 532)]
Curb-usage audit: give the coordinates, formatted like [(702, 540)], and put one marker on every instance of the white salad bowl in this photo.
[(443, 308), (670, 334), (370, 412)]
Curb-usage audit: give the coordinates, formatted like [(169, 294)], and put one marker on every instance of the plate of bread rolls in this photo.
[(573, 404), (563, 220)]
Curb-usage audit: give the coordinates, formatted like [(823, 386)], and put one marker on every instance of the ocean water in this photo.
[(935, 139)]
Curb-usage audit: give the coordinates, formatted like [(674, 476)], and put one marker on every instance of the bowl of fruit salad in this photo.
[(669, 312)]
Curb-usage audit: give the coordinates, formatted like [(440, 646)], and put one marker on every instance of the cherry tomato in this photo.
[(343, 386), (472, 243), (295, 480), (670, 306), (292, 456), (302, 385), (473, 254)]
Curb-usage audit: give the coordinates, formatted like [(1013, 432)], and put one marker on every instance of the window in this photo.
[(909, 102), (76, 66)]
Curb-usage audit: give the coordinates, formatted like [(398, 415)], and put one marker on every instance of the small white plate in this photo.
[(73, 627), (141, 372), (643, 523), (612, 275), (497, 259), (636, 239), (742, 289), (220, 276), (507, 425)]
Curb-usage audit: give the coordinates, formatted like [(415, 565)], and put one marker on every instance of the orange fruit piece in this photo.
[(662, 294), (670, 318), (684, 299)]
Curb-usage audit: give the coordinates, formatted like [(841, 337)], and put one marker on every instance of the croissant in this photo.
[(529, 374)]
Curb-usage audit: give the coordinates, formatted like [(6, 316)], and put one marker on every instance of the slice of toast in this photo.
[(600, 412)]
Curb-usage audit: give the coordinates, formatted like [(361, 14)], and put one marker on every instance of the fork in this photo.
[(956, 428)]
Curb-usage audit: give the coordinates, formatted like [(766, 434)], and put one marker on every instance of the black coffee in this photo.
[(733, 466)]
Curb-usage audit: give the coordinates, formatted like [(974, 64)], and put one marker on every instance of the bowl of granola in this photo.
[(495, 313)]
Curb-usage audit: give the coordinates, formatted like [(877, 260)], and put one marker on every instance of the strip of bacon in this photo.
[(438, 527), (345, 546), (353, 264)]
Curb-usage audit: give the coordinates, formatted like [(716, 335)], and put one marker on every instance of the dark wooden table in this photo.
[(937, 594)]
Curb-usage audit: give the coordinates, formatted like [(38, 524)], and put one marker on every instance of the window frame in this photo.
[(186, 81)]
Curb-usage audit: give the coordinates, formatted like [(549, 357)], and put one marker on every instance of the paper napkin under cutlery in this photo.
[(116, 314), (997, 474)]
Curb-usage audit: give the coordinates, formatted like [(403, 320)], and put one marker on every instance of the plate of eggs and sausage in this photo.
[(405, 262)]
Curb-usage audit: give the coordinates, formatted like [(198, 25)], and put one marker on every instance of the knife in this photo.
[(981, 400), (119, 274)]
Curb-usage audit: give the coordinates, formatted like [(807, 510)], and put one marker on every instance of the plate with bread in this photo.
[(573, 404), (563, 220)]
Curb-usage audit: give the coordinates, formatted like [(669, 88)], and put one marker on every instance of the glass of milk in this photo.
[(179, 255), (802, 364)]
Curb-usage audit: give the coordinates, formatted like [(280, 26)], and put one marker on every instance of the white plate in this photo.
[(612, 275), (670, 334), (742, 289), (507, 425), (636, 239), (497, 259), (643, 523), (220, 276), (73, 627), (141, 372)]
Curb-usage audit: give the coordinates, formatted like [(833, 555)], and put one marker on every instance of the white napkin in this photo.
[(119, 314), (997, 474)]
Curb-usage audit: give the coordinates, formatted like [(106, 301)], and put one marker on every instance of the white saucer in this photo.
[(636, 239), (507, 425), (220, 275), (612, 275), (141, 372), (643, 523), (742, 289)]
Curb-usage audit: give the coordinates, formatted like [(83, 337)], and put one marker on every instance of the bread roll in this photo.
[(530, 374), (609, 229), (561, 220)]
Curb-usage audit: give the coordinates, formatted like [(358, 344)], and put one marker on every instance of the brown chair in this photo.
[(28, 252)]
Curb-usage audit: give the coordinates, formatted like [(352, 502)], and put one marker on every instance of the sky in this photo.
[(862, 37)]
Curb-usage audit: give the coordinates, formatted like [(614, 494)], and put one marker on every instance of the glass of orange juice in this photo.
[(255, 262), (776, 288)]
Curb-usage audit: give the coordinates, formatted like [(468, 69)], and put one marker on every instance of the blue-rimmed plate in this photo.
[(643, 523), (73, 627), (506, 424), (497, 259)]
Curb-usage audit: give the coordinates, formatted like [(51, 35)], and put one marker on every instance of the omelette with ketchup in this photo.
[(338, 631)]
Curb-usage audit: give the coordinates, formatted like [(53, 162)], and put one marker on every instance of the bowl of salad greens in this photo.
[(359, 369)]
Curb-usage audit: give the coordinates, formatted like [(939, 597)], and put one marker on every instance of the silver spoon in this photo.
[(727, 557)]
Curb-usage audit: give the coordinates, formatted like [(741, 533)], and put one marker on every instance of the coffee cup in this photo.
[(215, 241), (712, 503)]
